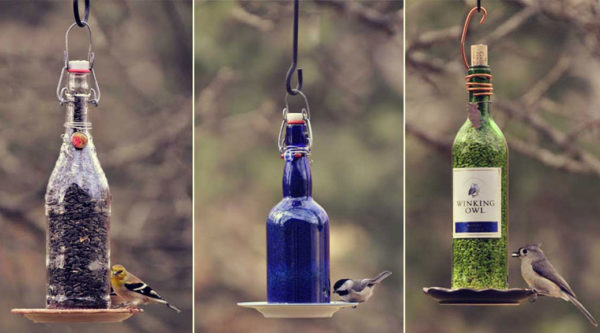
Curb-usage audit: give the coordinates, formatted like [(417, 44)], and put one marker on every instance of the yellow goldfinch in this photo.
[(133, 290), (116, 301)]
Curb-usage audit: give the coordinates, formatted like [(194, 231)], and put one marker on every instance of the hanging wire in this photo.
[(290, 73), (476, 88), (466, 27), (86, 13)]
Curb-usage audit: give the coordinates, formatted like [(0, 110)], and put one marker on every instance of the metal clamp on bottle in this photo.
[(291, 151), (76, 67)]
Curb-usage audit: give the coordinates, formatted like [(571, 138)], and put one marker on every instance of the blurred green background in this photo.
[(545, 60), (351, 53), (143, 135)]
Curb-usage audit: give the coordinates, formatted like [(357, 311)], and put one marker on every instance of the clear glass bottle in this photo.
[(78, 210), (297, 230), (480, 189)]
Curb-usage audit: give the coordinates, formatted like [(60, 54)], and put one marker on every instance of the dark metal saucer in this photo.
[(468, 296)]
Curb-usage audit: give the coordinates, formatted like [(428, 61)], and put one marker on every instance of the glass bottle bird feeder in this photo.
[(480, 197), (78, 211), (297, 231), (298, 284)]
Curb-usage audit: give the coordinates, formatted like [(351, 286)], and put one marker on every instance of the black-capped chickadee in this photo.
[(358, 290), (543, 278)]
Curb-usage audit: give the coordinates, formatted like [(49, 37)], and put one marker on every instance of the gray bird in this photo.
[(358, 290), (543, 278)]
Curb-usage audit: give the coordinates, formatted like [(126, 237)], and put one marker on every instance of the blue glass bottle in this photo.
[(297, 230)]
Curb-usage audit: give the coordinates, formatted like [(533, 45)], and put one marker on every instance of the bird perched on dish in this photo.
[(134, 291), (543, 278), (358, 290)]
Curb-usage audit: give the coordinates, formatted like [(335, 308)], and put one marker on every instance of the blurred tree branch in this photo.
[(368, 16)]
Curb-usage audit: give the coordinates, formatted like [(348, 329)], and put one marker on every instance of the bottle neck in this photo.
[(297, 178), (482, 101), (78, 94)]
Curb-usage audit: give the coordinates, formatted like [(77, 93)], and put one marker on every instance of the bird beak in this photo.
[(516, 254)]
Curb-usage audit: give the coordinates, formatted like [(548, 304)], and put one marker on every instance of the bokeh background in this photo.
[(351, 53), (545, 57), (143, 135)]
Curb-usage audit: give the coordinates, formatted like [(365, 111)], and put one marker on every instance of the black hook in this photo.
[(479, 5), (86, 13), (290, 72)]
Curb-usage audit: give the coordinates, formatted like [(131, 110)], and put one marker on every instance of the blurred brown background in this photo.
[(351, 53), (545, 57), (143, 134)]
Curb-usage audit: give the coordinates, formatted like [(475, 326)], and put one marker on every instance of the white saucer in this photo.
[(77, 315), (297, 310)]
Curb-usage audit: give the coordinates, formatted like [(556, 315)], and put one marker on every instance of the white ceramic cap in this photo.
[(79, 64), (294, 117)]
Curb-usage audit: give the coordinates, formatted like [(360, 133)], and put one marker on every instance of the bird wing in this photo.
[(143, 289), (383, 275), (544, 268)]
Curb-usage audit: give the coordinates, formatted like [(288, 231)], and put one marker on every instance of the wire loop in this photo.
[(479, 88)]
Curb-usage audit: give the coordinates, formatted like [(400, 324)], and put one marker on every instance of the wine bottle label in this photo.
[(476, 197)]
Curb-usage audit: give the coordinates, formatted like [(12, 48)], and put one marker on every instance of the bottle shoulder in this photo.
[(479, 147), (488, 134), (301, 208), (77, 167)]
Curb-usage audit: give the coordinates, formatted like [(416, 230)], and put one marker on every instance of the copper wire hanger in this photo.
[(466, 27), (476, 88)]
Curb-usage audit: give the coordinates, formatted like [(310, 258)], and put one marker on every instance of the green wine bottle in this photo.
[(480, 188)]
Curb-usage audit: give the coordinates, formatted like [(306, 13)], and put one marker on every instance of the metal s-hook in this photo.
[(290, 73), (466, 27), (86, 13)]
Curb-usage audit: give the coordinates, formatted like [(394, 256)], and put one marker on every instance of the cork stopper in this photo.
[(295, 118), (479, 55)]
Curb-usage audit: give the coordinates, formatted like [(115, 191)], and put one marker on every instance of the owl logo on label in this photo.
[(474, 190)]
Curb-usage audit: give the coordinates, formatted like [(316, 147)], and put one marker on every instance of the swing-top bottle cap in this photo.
[(79, 66), (479, 55), (295, 118)]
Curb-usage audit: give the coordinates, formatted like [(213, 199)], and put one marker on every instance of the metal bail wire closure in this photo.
[(61, 91), (305, 115)]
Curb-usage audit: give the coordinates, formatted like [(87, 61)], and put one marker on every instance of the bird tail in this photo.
[(382, 276), (173, 307), (583, 310)]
